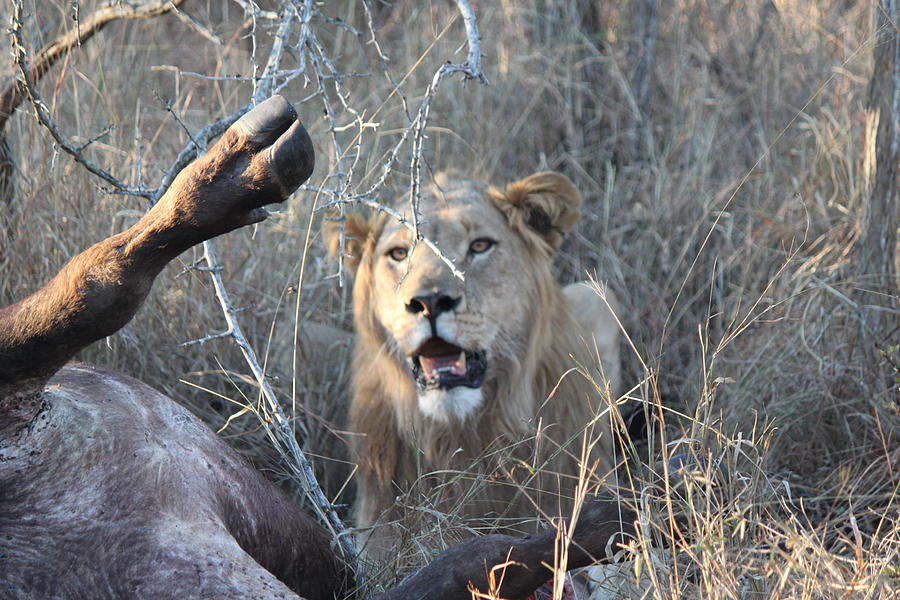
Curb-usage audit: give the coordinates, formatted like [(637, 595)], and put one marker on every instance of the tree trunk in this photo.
[(876, 260)]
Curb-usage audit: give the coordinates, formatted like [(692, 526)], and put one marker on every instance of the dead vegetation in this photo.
[(724, 194)]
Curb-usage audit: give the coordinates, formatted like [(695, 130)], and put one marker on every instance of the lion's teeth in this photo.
[(429, 366), (433, 367), (459, 366)]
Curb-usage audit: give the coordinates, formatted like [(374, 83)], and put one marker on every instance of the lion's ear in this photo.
[(356, 231), (544, 205)]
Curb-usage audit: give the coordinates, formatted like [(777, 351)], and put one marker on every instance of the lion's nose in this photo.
[(432, 304)]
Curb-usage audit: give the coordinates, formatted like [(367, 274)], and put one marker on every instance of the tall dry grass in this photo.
[(724, 217)]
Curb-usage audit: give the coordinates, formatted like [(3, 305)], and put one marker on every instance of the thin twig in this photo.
[(47, 56), (472, 70), (278, 428), (192, 22), (43, 113)]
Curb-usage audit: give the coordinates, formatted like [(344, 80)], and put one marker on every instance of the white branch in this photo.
[(472, 70), (278, 427), (472, 67), (104, 15)]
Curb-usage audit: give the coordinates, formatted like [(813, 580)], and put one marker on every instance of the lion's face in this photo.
[(452, 333), (453, 336)]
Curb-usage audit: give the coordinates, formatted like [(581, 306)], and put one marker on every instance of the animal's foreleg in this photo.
[(261, 159)]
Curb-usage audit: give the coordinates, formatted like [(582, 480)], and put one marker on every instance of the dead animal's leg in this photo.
[(526, 559), (261, 159), (604, 522)]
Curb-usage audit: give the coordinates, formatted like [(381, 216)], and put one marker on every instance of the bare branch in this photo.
[(251, 8), (180, 122), (195, 24), (272, 416), (472, 70), (371, 27), (47, 56), (265, 83), (43, 113), (472, 66)]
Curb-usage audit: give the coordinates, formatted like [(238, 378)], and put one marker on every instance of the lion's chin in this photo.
[(456, 403)]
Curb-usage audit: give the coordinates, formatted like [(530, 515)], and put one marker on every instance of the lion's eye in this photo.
[(481, 245), (398, 254)]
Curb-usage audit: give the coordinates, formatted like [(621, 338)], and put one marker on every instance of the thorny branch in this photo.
[(280, 433), (279, 429), (295, 39), (43, 61), (472, 70)]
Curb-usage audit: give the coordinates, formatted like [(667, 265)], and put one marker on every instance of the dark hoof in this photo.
[(292, 157), (265, 123)]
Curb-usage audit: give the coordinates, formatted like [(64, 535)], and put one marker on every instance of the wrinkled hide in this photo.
[(146, 502)]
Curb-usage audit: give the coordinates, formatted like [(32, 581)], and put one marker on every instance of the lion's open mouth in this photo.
[(440, 364)]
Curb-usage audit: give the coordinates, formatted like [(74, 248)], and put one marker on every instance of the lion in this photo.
[(450, 373)]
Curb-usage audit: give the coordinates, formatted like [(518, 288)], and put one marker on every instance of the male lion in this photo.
[(448, 370)]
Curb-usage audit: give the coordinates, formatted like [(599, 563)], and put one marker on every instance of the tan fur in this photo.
[(510, 306)]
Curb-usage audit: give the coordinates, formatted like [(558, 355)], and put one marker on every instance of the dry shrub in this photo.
[(723, 211)]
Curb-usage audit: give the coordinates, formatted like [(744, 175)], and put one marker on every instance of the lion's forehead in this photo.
[(452, 213), (456, 188)]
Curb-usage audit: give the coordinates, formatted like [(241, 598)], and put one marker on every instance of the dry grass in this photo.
[(725, 219)]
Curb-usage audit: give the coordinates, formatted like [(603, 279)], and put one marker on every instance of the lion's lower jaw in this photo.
[(444, 405)]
